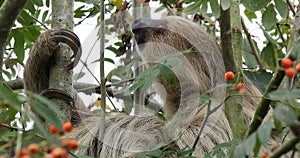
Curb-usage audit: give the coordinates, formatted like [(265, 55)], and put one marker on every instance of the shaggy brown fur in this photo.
[(202, 70)]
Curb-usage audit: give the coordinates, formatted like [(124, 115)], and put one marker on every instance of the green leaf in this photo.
[(46, 113), (278, 125), (167, 73), (13, 98), (284, 95), (215, 8), (239, 152), (285, 114), (268, 56), (193, 8), (269, 17), (41, 126), (109, 60), (78, 76), (38, 2), (44, 16), (248, 55), (249, 144), (282, 8), (255, 5), (150, 80), (30, 7), (268, 37), (225, 4), (250, 15), (145, 79), (260, 78), (183, 152), (264, 132), (50, 105), (203, 9), (174, 62), (19, 44)]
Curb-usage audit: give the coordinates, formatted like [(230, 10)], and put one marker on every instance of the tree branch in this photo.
[(60, 77), (9, 12), (263, 106), (286, 147), (231, 37)]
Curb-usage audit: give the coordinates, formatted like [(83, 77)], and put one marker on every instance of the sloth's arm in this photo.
[(36, 72)]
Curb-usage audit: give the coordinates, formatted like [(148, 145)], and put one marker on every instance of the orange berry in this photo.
[(290, 72), (59, 153), (53, 129), (265, 155), (286, 62), (229, 75), (33, 148), (298, 67), (240, 86), (73, 144), (25, 156), (67, 126), (21, 153)]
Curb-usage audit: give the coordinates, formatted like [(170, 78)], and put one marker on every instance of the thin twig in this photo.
[(281, 36), (35, 19), (291, 7), (90, 14), (252, 46)]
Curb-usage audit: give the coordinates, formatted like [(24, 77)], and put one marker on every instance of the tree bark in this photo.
[(59, 76), (9, 12)]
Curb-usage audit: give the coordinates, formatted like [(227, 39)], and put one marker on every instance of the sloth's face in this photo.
[(143, 28)]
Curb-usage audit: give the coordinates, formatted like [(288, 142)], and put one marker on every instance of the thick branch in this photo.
[(9, 12), (59, 76), (232, 56)]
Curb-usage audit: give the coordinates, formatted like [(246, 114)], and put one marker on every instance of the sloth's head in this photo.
[(172, 31)]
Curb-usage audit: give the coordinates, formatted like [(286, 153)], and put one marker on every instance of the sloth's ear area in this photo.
[(144, 27)]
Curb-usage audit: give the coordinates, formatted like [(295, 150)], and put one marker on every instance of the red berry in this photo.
[(286, 62), (290, 72), (53, 129), (298, 67), (33, 148), (240, 86), (67, 126), (73, 144), (59, 153), (265, 155), (21, 153), (229, 75)]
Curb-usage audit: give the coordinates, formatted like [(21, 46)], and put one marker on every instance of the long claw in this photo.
[(71, 39)]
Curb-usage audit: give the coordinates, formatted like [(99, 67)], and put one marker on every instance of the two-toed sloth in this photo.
[(201, 70)]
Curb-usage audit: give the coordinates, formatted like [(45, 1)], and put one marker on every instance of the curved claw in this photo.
[(56, 93), (72, 40)]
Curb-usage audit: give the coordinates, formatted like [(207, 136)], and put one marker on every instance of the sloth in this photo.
[(198, 74)]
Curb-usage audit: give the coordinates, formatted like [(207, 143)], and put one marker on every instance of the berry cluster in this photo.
[(61, 151), (289, 71), (229, 75)]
